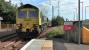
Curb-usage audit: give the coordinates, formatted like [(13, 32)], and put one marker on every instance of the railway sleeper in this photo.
[(17, 45), (8, 46)]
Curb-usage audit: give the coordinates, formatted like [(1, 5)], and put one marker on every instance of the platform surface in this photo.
[(38, 44)]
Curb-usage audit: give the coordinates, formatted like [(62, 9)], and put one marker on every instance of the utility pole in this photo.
[(79, 40), (85, 12), (82, 10), (58, 8), (52, 12), (52, 9), (74, 15)]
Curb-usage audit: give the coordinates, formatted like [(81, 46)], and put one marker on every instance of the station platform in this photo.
[(38, 44)]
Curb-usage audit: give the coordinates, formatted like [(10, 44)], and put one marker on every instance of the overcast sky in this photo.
[(67, 7)]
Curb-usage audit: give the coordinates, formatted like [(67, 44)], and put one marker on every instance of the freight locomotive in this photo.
[(29, 21)]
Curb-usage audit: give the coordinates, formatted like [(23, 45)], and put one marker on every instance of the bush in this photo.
[(56, 32)]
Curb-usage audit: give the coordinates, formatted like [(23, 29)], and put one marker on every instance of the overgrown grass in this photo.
[(57, 31)]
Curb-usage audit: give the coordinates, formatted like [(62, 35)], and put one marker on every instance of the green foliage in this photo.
[(47, 20), (54, 22), (7, 12), (57, 21), (60, 20), (56, 32)]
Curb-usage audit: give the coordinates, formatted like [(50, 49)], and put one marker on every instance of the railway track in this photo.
[(11, 42), (44, 34), (7, 37), (12, 45)]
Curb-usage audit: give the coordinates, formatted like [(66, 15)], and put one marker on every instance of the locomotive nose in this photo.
[(19, 26)]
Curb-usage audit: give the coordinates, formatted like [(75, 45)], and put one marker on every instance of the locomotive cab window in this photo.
[(33, 14), (22, 14)]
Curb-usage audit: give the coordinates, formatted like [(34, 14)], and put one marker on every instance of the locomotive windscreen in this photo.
[(22, 14), (33, 13)]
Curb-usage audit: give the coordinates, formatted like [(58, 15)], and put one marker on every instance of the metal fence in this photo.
[(86, 24), (74, 35)]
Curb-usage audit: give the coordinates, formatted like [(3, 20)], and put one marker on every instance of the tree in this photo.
[(7, 12), (57, 21), (54, 22), (60, 20)]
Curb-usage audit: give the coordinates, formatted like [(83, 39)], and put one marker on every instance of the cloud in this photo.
[(66, 6), (7, 0), (15, 2)]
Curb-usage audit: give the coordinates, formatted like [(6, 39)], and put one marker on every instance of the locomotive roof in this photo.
[(27, 6)]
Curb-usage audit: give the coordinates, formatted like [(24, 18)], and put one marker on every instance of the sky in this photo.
[(68, 8)]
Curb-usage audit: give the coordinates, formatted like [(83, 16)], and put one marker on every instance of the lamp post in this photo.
[(79, 40), (85, 11)]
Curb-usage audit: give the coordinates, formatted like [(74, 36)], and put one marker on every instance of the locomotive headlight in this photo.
[(19, 26)]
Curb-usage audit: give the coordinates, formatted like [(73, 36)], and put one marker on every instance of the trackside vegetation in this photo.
[(56, 32)]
